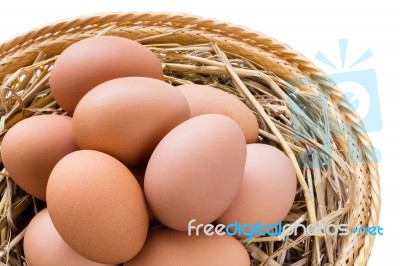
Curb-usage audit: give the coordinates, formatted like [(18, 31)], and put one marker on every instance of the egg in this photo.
[(97, 207), (43, 246), (139, 173), (32, 147), (196, 171), (208, 100), (171, 248), (268, 188), (127, 117), (92, 61)]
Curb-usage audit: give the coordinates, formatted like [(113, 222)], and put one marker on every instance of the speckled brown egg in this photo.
[(97, 207), (267, 191), (171, 248), (127, 117), (43, 246), (32, 147), (92, 61), (196, 171), (208, 100)]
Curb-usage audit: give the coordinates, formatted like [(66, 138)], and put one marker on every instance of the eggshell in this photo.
[(171, 248), (92, 61), (32, 147), (208, 100), (43, 246), (127, 117), (139, 173), (267, 191), (97, 207), (196, 171)]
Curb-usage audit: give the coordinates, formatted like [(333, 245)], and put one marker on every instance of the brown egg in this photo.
[(208, 100), (92, 61), (43, 246), (97, 207), (31, 149), (171, 248), (196, 171), (127, 117), (268, 188), (139, 173)]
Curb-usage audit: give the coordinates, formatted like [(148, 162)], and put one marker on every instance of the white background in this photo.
[(307, 26)]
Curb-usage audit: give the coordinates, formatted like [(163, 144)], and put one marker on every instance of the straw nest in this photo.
[(299, 111)]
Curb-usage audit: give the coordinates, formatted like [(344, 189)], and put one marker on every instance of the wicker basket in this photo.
[(299, 110)]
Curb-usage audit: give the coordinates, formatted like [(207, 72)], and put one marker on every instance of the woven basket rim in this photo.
[(241, 31)]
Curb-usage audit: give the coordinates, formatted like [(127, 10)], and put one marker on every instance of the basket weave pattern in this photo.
[(299, 110)]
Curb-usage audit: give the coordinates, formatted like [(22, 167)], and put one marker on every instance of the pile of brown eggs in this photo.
[(134, 152)]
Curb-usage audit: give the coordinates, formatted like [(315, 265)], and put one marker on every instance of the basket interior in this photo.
[(299, 110)]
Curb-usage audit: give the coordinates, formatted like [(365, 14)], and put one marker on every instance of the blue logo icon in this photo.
[(359, 86)]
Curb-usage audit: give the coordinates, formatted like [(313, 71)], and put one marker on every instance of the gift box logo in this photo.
[(359, 87)]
